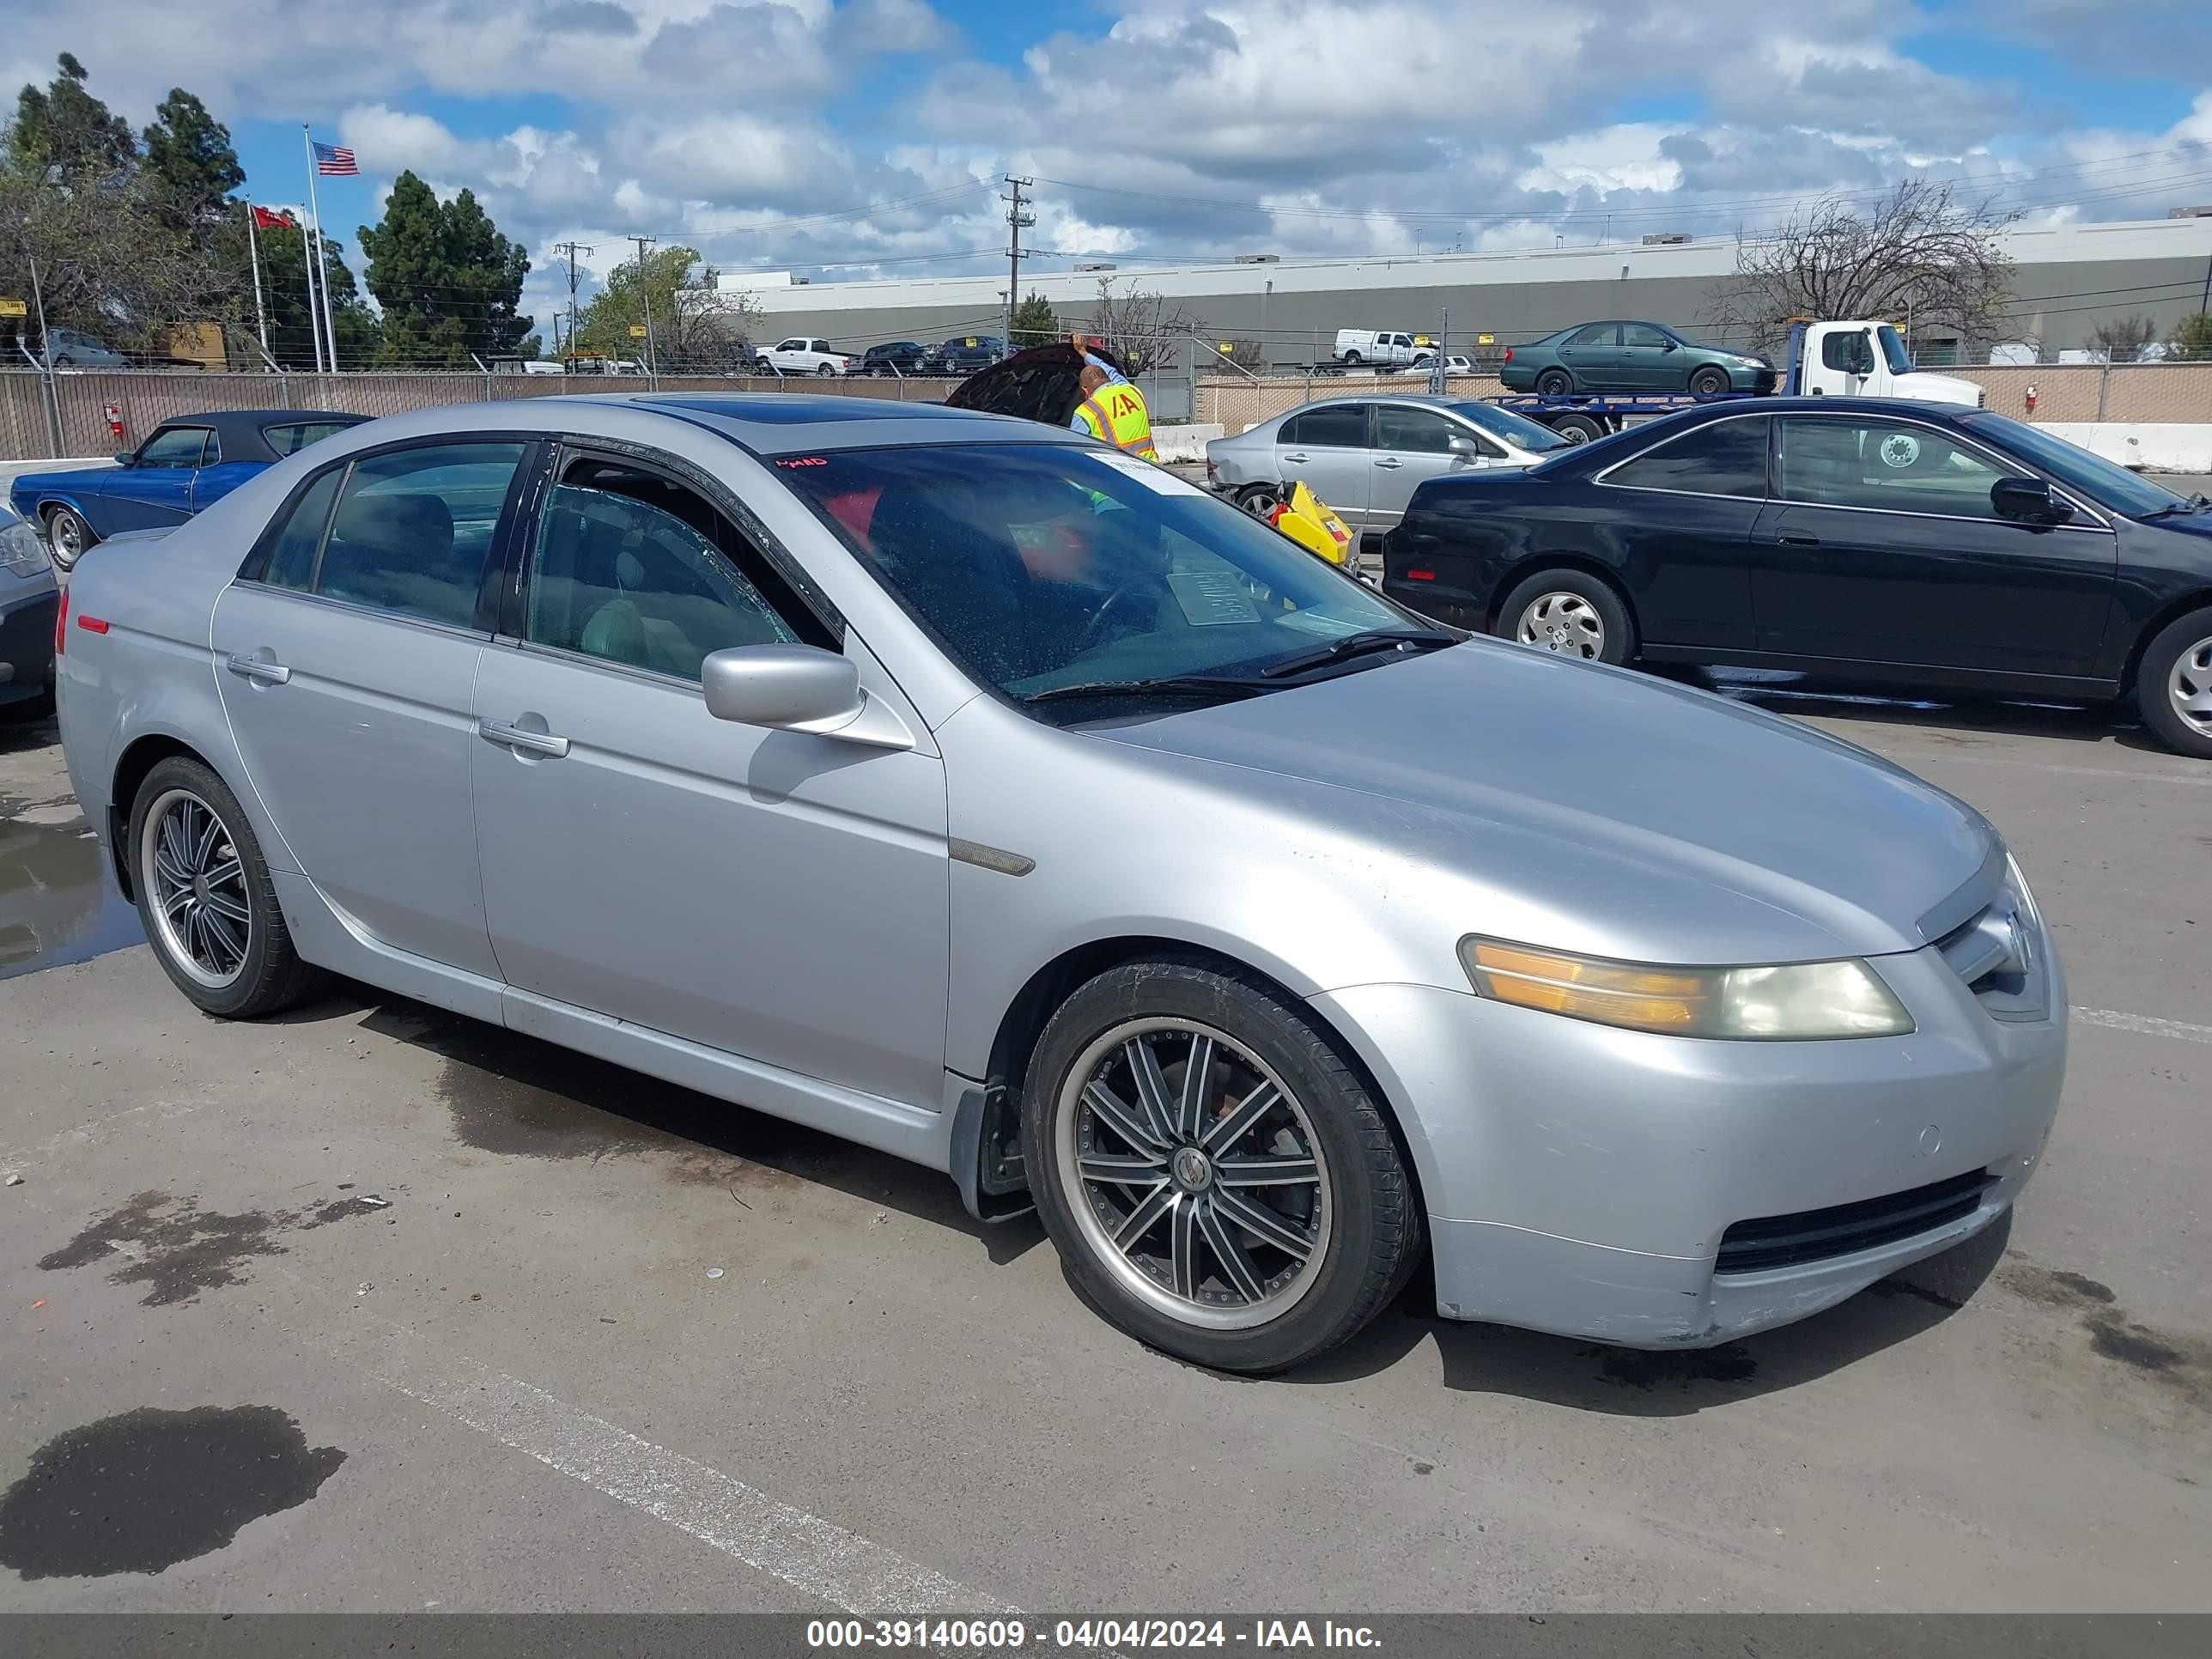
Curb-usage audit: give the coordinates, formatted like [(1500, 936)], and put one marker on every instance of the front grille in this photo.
[(1784, 1241), (1996, 951)]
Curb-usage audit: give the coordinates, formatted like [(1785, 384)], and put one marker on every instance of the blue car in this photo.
[(183, 465)]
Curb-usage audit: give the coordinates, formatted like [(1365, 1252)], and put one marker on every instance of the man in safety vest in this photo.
[(1112, 408)]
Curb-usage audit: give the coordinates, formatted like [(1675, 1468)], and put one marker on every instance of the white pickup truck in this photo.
[(1374, 348), (801, 355)]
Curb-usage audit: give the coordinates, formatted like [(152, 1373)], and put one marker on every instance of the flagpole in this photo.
[(254, 255), (315, 212), (312, 244)]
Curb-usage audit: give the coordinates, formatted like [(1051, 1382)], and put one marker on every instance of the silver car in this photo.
[(984, 796), (1365, 456)]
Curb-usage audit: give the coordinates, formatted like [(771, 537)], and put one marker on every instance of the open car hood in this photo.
[(1043, 383)]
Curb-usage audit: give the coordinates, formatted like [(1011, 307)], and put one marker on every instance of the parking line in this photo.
[(2144, 1024), (811, 1554), (2111, 774)]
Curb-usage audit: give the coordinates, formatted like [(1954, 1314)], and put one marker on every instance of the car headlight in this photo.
[(22, 550), (1795, 1001)]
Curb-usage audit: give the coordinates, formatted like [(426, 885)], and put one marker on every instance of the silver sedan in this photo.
[(987, 797), (1365, 456)]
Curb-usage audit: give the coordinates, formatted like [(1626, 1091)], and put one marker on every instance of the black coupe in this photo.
[(1910, 544)]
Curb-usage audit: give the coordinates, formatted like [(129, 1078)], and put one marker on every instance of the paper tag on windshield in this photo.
[(1211, 599), (1146, 473)]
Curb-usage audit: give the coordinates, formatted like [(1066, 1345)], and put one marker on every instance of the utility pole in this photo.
[(571, 250), (645, 299), (1016, 220)]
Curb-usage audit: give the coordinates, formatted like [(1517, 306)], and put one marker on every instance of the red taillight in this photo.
[(1420, 575), (1507, 357), (61, 622), (92, 625)]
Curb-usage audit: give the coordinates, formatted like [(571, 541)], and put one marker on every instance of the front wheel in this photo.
[(1217, 1179), (205, 897), (2173, 685), (1709, 382), (68, 536), (1569, 613)]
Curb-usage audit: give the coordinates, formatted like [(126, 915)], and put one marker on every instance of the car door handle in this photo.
[(535, 743), (1296, 461), (1797, 541), (1390, 461), (269, 673)]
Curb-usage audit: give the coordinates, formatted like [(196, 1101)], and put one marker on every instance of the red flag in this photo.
[(264, 219)]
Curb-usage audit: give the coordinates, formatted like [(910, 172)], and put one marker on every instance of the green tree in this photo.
[(2192, 338), (65, 127), (1034, 322), (191, 166), (698, 328), (284, 295), (447, 281)]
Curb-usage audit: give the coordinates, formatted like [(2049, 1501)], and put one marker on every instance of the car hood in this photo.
[(1925, 388), (1041, 383), (1591, 809)]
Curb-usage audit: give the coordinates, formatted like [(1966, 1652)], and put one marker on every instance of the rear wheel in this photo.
[(68, 536), (1352, 360), (1709, 381), (1216, 1178), (206, 898), (1554, 383), (1570, 613), (825, 369), (1261, 500), (2173, 686), (1577, 428)]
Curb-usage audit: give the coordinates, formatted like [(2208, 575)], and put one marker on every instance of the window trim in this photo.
[(519, 496), (1603, 478), (1365, 405), (2008, 466)]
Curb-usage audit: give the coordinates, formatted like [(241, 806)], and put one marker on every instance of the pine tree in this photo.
[(191, 166), (1034, 322), (65, 127), (447, 281)]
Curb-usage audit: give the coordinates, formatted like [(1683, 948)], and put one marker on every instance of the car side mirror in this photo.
[(124, 457), (798, 688), (1669, 345), (2029, 500), (1464, 449)]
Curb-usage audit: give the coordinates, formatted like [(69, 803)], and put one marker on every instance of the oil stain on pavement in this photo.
[(2179, 1364), (177, 1250), (141, 1491)]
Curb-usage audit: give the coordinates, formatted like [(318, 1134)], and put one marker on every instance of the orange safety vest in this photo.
[(1117, 413)]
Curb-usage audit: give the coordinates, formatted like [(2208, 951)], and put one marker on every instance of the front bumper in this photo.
[(1580, 1179)]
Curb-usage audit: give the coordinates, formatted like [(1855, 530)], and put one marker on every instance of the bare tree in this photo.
[(1249, 355), (1919, 255), (2122, 339), (1142, 331)]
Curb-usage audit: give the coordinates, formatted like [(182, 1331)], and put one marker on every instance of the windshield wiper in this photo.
[(1174, 685), (1358, 645), (2196, 503)]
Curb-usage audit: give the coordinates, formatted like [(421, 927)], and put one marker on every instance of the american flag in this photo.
[(335, 161)]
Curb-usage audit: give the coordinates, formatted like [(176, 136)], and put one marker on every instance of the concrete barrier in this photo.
[(1185, 443), (2146, 446)]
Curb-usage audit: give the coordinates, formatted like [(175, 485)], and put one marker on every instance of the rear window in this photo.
[(289, 440)]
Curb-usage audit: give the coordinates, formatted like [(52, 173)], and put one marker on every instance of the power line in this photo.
[(1016, 221)]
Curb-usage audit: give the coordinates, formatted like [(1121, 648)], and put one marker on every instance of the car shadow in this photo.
[(1583, 1376), (516, 1095), (20, 732), (1941, 720)]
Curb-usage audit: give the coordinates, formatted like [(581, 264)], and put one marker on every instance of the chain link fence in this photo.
[(34, 406)]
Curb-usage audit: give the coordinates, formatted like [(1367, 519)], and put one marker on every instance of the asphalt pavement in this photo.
[(372, 1308)]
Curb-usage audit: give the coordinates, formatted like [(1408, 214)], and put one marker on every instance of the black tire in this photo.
[(1617, 644), (825, 370), (271, 975), (1260, 500), (1554, 383), (2179, 656), (66, 529), (1352, 360), (1709, 382), (1372, 1232), (1577, 428)]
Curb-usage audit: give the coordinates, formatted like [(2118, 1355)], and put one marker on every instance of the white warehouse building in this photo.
[(2067, 279)]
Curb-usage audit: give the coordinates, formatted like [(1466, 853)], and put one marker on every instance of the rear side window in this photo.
[(1727, 458), (290, 440), (410, 534), (1340, 426)]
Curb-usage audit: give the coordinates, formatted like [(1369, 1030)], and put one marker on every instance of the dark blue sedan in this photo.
[(1896, 544), (183, 465)]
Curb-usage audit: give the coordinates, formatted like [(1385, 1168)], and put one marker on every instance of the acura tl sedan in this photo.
[(1917, 545), (966, 789)]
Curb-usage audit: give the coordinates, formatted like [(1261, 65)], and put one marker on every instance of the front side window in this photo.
[(1420, 432), (1840, 352), (626, 567), (1883, 465), (414, 528), (1333, 426), (174, 447), (793, 345), (1597, 334), (1725, 458), (1042, 568), (1644, 335)]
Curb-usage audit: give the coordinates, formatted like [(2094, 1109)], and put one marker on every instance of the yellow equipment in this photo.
[(1306, 519)]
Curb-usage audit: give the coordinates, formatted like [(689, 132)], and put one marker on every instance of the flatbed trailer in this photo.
[(1580, 417)]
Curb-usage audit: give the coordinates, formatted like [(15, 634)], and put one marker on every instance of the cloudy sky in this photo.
[(860, 137)]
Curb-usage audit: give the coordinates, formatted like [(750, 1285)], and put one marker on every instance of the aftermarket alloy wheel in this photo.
[(2173, 685), (205, 897), (1261, 500), (1218, 1180), (68, 536), (1570, 613)]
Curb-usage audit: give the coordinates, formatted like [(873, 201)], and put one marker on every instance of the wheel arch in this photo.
[(2152, 627), (1529, 564), (139, 757), (1024, 1018)]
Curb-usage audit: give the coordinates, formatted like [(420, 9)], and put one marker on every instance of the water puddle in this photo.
[(58, 900)]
